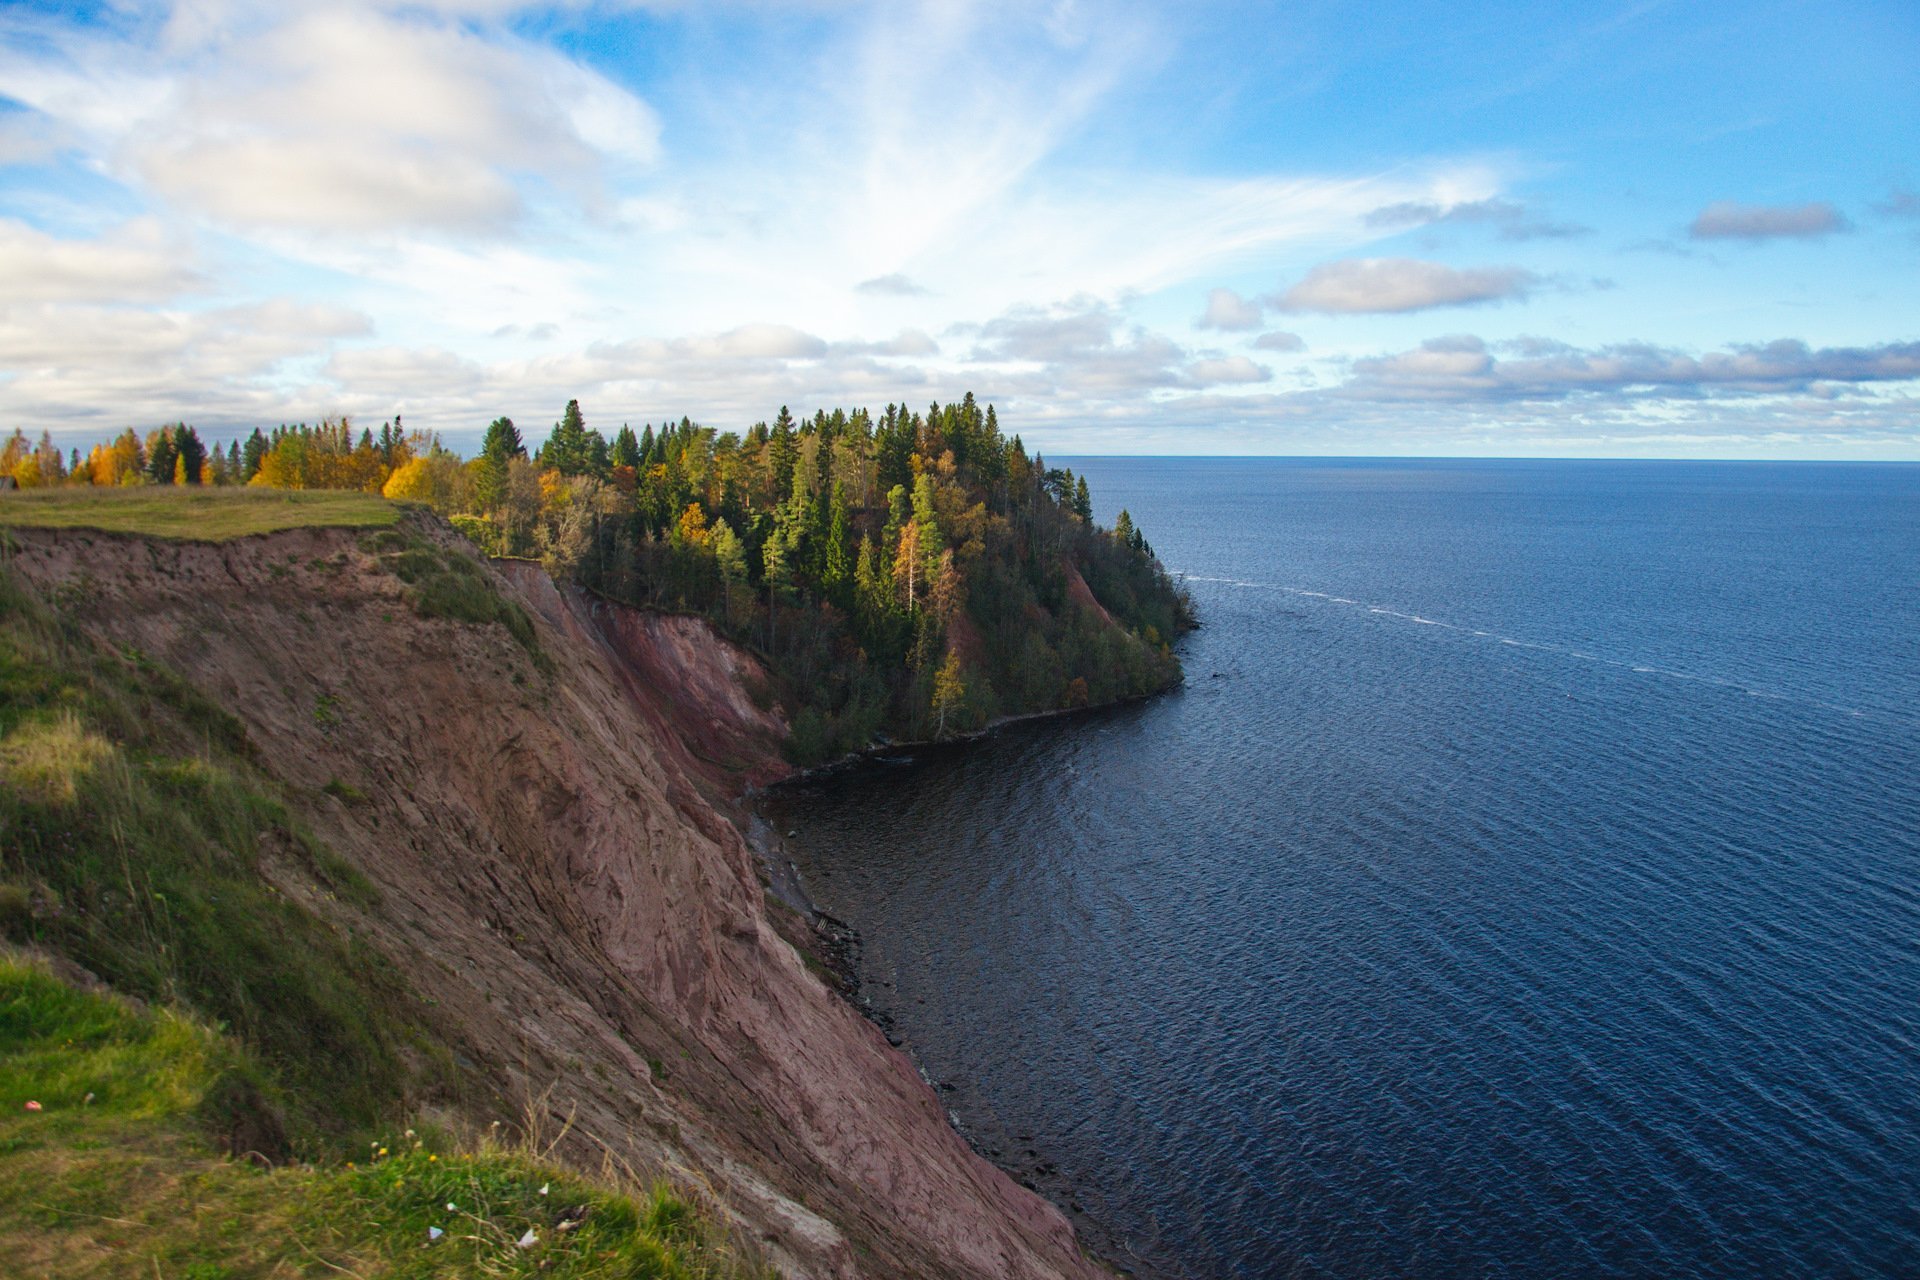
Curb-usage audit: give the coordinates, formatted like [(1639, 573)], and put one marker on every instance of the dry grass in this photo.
[(193, 513)]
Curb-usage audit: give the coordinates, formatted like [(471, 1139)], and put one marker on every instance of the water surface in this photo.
[(1527, 882)]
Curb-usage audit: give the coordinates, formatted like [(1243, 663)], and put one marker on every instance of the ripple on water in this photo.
[(1536, 893)]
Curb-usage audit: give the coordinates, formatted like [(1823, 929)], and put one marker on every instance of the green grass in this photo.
[(193, 514), (447, 583), (133, 835), (113, 1175)]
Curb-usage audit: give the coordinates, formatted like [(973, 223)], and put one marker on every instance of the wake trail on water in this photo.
[(1637, 668)]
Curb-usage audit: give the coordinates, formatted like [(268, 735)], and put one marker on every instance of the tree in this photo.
[(1082, 500), (906, 563), (436, 479), (773, 567), (949, 693), (782, 453), (730, 557), (162, 453), (834, 564), (252, 454), (572, 450), (501, 443), (626, 449)]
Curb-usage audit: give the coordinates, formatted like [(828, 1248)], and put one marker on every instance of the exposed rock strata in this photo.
[(556, 878)]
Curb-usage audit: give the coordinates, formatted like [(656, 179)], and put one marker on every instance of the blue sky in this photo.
[(1682, 229)]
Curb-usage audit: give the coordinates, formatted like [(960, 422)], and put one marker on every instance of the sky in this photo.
[(1581, 229)]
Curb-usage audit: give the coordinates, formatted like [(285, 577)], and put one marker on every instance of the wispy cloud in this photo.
[(1510, 218), (894, 285)]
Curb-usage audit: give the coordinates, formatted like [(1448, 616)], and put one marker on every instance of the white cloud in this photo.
[(340, 119), (1727, 220), (1362, 285), (894, 285), (1463, 367), (1229, 311), (1280, 340), (137, 262), (1228, 370)]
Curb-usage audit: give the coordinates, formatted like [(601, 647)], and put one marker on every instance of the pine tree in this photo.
[(782, 453), (502, 442), (834, 573), (626, 449)]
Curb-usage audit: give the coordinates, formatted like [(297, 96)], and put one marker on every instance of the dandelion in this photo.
[(383, 1151), (433, 1159)]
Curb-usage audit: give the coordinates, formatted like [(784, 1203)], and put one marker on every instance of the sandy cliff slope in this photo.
[(557, 882)]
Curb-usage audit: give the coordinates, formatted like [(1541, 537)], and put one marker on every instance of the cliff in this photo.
[(555, 881)]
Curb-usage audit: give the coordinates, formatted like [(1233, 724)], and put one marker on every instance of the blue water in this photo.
[(1526, 883)]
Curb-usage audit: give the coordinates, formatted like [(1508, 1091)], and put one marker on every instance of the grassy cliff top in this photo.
[(192, 513)]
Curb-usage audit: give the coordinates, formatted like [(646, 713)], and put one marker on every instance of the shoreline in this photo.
[(839, 944)]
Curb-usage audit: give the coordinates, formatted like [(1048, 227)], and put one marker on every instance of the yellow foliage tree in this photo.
[(949, 693), (692, 528)]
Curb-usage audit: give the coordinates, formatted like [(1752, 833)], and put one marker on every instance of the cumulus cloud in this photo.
[(82, 363), (1083, 344), (1280, 340), (341, 119), (1463, 367), (1728, 220), (1229, 311), (137, 262), (1376, 285)]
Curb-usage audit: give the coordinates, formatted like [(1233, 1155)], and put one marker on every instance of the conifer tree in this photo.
[(626, 449), (834, 572), (502, 442)]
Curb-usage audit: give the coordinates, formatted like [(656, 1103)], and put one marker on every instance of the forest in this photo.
[(907, 575)]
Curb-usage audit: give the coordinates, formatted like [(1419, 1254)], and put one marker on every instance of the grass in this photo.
[(447, 583), (193, 514), (134, 830), (111, 1174)]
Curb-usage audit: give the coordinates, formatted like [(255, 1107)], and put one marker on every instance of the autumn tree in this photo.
[(949, 693)]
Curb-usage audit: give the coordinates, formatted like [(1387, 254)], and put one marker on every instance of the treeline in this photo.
[(916, 574)]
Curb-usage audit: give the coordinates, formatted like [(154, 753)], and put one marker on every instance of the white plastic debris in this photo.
[(529, 1240), (544, 1186), (434, 1233)]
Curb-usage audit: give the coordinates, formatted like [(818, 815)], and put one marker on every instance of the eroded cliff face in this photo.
[(584, 926)]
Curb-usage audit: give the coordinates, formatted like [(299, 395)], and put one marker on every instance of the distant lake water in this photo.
[(1526, 882)]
